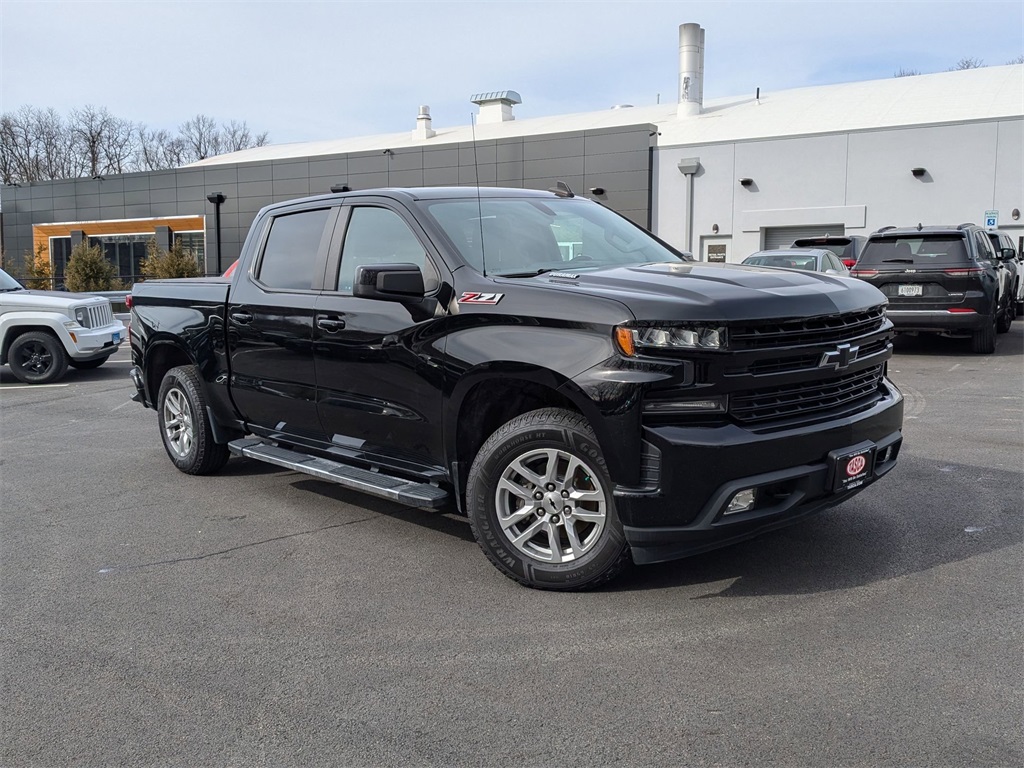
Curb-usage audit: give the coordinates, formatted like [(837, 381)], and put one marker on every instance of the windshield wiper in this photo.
[(7, 290), (528, 274), (897, 261)]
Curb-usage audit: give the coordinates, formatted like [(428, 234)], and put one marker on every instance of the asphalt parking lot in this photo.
[(263, 618)]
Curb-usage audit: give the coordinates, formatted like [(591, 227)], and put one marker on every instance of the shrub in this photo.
[(36, 272), (177, 262), (89, 270)]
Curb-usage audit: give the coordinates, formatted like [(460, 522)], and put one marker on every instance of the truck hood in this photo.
[(719, 292), (30, 299)]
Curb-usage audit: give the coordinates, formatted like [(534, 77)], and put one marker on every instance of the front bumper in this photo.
[(93, 343), (795, 473)]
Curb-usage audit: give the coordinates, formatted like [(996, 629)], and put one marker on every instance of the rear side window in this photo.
[(289, 256), (921, 251)]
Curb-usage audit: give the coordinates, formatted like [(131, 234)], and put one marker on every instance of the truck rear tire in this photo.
[(37, 357), (185, 426), (539, 501)]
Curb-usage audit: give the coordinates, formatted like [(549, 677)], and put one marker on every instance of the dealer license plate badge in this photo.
[(852, 468)]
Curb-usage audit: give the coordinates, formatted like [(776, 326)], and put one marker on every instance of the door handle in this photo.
[(330, 325), (241, 317)]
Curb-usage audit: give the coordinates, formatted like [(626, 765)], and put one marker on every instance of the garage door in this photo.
[(783, 237)]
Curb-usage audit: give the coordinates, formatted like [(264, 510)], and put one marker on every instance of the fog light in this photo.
[(742, 501)]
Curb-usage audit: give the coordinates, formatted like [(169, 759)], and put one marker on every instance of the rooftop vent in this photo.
[(423, 129), (496, 106)]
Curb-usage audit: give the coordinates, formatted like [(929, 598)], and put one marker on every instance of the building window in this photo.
[(125, 252)]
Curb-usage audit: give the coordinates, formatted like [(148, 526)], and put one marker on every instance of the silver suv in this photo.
[(43, 332)]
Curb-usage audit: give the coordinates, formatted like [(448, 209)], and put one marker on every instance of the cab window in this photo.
[(381, 236)]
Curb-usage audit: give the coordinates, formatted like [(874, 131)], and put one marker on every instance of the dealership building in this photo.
[(720, 178)]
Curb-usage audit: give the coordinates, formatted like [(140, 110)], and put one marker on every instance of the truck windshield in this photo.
[(8, 283), (519, 237)]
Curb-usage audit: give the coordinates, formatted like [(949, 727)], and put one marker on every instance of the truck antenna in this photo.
[(479, 203)]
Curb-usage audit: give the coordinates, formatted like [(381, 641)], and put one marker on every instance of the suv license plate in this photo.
[(852, 468), (909, 290)]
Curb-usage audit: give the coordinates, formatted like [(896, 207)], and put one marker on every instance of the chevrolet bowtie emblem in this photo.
[(841, 358)]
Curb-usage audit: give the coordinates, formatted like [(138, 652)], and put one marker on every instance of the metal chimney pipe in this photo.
[(691, 69), (423, 122)]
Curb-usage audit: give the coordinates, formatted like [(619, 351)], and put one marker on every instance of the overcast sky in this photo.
[(307, 71)]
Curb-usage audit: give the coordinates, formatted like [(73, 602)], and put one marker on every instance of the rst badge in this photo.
[(472, 297)]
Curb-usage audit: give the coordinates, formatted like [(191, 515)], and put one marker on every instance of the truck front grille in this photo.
[(800, 332), (807, 398)]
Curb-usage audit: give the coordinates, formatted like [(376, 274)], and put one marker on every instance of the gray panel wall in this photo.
[(615, 159)]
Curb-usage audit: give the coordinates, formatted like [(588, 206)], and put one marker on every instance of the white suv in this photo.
[(42, 332)]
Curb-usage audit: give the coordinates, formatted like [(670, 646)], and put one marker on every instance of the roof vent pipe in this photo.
[(496, 106), (691, 69), (423, 129)]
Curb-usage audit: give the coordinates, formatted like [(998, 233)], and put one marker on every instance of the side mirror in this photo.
[(1009, 254), (389, 282)]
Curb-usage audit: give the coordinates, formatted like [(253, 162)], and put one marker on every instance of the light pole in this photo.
[(217, 198)]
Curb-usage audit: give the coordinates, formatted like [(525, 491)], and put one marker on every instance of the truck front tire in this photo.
[(37, 357), (184, 425), (539, 501)]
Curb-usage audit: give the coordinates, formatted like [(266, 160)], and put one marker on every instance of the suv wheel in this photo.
[(540, 503), (983, 341), (1006, 317), (37, 357)]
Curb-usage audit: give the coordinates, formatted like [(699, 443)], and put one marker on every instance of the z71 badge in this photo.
[(471, 297)]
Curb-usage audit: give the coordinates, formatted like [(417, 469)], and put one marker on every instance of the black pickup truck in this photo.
[(586, 394)]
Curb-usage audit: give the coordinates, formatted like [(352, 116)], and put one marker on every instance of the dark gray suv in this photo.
[(944, 280)]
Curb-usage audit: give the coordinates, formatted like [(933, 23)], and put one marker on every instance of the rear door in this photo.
[(270, 323)]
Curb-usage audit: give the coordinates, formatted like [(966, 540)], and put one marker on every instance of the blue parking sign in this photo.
[(991, 219)]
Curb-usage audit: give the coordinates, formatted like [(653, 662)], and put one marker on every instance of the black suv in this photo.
[(945, 280), (1004, 246)]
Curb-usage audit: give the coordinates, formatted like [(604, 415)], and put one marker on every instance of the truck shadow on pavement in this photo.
[(927, 514)]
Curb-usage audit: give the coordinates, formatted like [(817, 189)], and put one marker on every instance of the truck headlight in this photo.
[(670, 337), (82, 317)]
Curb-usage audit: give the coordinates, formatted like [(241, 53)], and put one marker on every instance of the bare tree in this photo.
[(201, 136), (968, 62), (236, 136), (901, 72), (1017, 60), (89, 126), (118, 146), (39, 144)]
